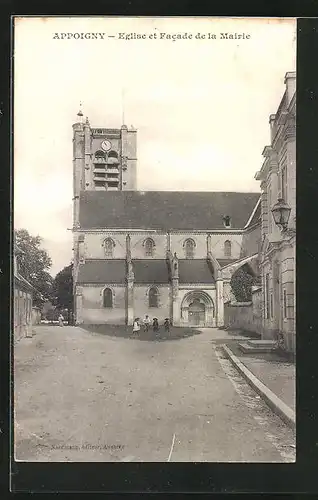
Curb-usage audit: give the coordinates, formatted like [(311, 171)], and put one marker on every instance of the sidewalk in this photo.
[(273, 371)]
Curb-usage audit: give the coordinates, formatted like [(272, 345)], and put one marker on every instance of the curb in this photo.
[(273, 401)]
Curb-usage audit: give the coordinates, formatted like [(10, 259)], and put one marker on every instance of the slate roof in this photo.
[(150, 271), (164, 210), (102, 271), (225, 262), (194, 271), (22, 282), (256, 217)]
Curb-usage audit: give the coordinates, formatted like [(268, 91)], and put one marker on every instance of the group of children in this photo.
[(147, 322)]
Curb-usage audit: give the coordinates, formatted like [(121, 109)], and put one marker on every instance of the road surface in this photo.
[(84, 396)]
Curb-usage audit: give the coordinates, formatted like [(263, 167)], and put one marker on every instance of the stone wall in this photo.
[(245, 316), (279, 314), (141, 302), (251, 242), (200, 240), (36, 316), (94, 313), (93, 244), (22, 314)]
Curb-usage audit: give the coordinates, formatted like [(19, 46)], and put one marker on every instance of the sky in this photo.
[(200, 105)]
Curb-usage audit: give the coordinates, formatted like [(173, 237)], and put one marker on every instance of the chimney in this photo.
[(272, 126), (290, 82)]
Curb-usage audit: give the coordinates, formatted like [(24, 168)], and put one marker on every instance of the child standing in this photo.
[(136, 327), (146, 323), (167, 325)]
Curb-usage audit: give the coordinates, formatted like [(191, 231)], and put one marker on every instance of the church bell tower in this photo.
[(104, 159)]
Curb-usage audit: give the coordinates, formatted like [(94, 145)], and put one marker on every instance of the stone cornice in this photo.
[(267, 151), (158, 285), (102, 231), (100, 285), (286, 131), (194, 286)]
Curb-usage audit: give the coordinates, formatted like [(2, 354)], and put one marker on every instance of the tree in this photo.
[(241, 284), (34, 264), (63, 290)]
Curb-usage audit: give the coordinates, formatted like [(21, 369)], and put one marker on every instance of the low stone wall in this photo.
[(244, 315)]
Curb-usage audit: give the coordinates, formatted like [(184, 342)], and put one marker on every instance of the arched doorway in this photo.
[(196, 313), (197, 309)]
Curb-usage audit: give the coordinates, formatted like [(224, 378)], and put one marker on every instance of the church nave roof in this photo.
[(164, 210)]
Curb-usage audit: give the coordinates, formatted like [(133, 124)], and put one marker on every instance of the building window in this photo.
[(109, 247), (100, 156), (112, 154), (227, 248), (267, 296), (149, 247), (153, 297), (284, 182), (107, 298), (227, 221), (189, 246), (284, 304)]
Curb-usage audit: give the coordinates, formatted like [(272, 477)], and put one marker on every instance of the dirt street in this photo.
[(84, 396)]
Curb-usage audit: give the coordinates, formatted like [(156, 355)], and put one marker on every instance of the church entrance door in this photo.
[(196, 313)]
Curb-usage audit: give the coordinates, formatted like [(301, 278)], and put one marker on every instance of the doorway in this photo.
[(196, 313)]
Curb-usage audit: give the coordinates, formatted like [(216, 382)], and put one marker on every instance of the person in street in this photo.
[(61, 320), (146, 323), (155, 325), (136, 327), (167, 325)]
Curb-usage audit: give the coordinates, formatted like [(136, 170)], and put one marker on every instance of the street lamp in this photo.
[(281, 212)]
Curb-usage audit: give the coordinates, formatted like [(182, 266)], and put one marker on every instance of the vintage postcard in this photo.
[(154, 239)]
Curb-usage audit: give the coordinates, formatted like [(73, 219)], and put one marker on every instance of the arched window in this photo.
[(149, 247), (107, 298), (227, 248), (153, 297), (109, 247), (112, 154), (100, 155), (189, 246)]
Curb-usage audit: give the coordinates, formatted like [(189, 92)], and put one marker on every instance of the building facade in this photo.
[(23, 296), (162, 253), (277, 253)]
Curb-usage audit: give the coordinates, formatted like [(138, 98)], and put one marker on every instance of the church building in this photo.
[(167, 254)]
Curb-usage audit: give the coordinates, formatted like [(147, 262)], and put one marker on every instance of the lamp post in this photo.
[(281, 213)]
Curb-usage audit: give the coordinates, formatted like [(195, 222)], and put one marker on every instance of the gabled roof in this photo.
[(164, 210), (22, 282), (194, 271), (150, 271), (225, 262), (102, 271), (255, 215)]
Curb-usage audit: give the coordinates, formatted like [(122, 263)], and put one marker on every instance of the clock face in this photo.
[(106, 145)]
